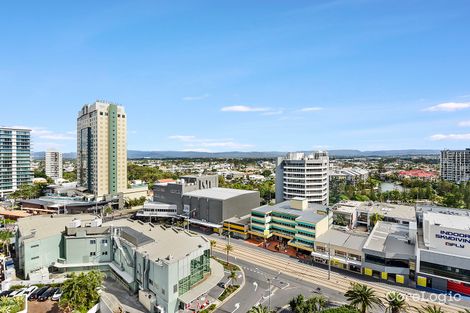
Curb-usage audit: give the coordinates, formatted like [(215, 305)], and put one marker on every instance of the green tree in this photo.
[(376, 217), (259, 309), (297, 304), (233, 277), (341, 309), (5, 237), (362, 297), (12, 305), (79, 293), (431, 309), (395, 303)]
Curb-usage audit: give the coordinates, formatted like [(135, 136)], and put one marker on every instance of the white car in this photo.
[(28, 291), (18, 292), (56, 296)]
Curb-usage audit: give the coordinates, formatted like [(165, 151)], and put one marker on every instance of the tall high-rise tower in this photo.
[(15, 158), (455, 165), (53, 162), (102, 148), (304, 176)]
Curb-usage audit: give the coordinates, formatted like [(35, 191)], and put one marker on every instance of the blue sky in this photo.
[(242, 75)]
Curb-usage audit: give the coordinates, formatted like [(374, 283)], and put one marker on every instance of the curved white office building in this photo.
[(303, 175)]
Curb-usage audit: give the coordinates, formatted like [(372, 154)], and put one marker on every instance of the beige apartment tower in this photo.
[(53, 162), (102, 148)]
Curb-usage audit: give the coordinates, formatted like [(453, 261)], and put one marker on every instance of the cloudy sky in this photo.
[(242, 75)]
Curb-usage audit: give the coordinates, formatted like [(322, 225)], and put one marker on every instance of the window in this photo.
[(175, 288), (92, 242), (104, 241), (104, 253), (101, 113), (150, 282), (34, 258), (92, 253), (34, 246), (163, 291)]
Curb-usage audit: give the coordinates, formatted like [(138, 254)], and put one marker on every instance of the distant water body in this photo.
[(385, 186)]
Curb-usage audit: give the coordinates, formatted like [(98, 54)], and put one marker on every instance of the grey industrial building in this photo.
[(210, 207), (171, 193)]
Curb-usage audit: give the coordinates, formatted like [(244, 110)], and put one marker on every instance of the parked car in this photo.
[(37, 293), (56, 296), (17, 292), (5, 293), (47, 294), (28, 291)]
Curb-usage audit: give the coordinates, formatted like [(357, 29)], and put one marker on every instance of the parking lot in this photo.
[(48, 306)]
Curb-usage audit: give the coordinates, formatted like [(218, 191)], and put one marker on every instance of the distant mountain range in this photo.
[(136, 154)]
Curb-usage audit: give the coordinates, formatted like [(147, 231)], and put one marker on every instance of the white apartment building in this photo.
[(54, 167), (455, 165), (102, 148), (15, 159), (303, 175)]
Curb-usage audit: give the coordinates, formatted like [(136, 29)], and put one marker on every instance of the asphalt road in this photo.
[(283, 288)]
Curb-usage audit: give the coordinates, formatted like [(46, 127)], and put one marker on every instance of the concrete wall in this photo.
[(77, 249), (41, 253)]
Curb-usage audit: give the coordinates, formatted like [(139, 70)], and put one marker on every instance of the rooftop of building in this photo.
[(420, 209), (243, 220), (310, 214), (166, 243), (218, 193), (45, 226), (398, 211), (349, 240), (390, 238), (15, 128), (448, 221)]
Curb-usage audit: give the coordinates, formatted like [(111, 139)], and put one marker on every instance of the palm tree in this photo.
[(228, 249), (315, 304), (213, 244), (362, 297), (395, 303), (430, 309), (233, 277), (259, 309), (297, 304), (5, 240), (374, 218)]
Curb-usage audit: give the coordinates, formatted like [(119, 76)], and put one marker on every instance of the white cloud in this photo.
[(448, 106), (311, 109), (243, 108), (43, 133), (464, 123), (192, 143), (182, 137), (195, 98), (440, 137), (274, 112)]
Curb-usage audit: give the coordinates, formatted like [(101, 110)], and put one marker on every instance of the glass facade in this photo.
[(200, 266)]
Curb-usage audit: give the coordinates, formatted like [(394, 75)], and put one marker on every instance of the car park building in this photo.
[(168, 267)]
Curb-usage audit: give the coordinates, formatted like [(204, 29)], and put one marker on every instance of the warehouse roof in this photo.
[(446, 220), (390, 239), (218, 193), (353, 241)]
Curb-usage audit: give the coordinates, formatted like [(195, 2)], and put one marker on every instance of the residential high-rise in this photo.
[(102, 148), (54, 164), (304, 176), (15, 158), (455, 165)]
